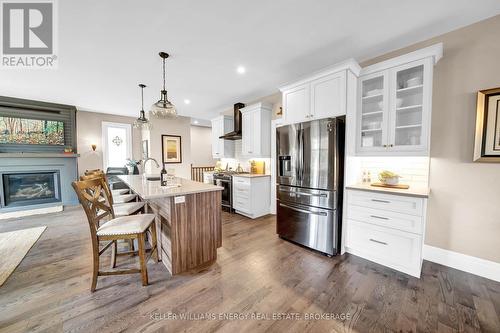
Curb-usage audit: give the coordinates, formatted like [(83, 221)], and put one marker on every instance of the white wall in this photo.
[(195, 140), (201, 146), (89, 131), (171, 126)]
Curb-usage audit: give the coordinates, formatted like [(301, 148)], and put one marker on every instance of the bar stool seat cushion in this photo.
[(119, 192), (134, 224), (127, 208), (124, 198)]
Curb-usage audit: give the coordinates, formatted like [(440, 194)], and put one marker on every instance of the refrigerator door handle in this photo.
[(302, 154), (304, 210), (323, 195)]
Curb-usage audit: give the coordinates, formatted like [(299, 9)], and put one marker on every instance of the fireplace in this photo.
[(30, 188)]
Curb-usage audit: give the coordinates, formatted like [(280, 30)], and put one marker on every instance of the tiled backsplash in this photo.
[(413, 170), (243, 160)]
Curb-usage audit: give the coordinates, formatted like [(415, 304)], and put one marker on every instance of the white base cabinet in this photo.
[(387, 229), (251, 195)]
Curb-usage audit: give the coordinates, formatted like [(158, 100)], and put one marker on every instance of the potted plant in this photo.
[(132, 166)]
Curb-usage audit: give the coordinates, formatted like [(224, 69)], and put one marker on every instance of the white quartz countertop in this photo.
[(251, 175), (413, 191), (151, 189)]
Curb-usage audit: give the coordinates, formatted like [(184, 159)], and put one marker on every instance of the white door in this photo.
[(409, 106), (373, 113), (116, 143), (328, 96), (296, 104)]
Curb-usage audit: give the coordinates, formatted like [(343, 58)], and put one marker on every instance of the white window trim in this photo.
[(105, 125)]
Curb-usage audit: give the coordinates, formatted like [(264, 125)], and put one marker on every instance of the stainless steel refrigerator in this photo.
[(310, 158)]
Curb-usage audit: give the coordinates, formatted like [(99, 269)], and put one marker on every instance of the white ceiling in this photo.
[(107, 47)]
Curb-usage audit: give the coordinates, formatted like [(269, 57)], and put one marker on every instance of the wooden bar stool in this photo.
[(119, 196), (121, 209), (91, 193)]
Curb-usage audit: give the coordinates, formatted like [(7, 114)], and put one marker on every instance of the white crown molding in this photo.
[(257, 106), (463, 262), (435, 51), (349, 64)]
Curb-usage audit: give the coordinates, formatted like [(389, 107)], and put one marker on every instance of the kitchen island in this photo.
[(188, 220)]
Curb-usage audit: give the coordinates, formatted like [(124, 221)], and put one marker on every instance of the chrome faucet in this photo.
[(150, 159)]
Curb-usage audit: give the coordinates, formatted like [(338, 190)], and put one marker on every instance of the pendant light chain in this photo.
[(164, 73)]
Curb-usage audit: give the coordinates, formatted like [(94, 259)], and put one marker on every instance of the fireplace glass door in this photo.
[(22, 189)]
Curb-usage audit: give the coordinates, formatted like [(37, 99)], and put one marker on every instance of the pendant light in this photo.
[(163, 108), (142, 122)]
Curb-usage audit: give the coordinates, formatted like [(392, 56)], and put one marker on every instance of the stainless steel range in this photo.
[(225, 179), (309, 189)]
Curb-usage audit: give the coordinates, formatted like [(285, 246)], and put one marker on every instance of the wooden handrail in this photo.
[(197, 172)]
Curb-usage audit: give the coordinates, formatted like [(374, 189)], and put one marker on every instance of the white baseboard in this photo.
[(463, 262)]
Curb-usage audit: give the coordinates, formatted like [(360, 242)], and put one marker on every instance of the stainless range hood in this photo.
[(236, 133)]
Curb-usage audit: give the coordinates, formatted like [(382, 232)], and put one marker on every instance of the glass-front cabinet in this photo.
[(394, 109)]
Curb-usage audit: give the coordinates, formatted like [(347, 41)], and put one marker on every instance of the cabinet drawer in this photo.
[(390, 202), (397, 249), (237, 181), (242, 193), (386, 218), (242, 204)]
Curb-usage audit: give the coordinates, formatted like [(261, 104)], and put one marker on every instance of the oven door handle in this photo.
[(304, 210)]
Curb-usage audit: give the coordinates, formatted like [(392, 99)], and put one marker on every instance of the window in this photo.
[(116, 143)]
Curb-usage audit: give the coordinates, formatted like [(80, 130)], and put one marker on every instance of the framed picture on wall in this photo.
[(487, 139), (171, 147), (145, 149)]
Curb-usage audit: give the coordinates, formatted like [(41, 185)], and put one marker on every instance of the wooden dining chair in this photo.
[(91, 193), (120, 195), (121, 209)]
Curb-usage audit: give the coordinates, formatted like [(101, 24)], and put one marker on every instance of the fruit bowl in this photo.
[(389, 178)]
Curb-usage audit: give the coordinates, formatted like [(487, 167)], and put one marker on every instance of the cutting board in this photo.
[(399, 186)]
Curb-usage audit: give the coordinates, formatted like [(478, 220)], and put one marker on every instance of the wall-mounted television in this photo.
[(15, 130)]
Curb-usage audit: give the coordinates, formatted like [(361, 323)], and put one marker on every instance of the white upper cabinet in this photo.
[(222, 148), (328, 96), (319, 96), (395, 104), (296, 103), (256, 131)]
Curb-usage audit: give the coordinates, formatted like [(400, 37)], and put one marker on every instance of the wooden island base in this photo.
[(189, 230)]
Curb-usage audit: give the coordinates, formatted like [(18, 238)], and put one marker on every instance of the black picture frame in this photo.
[(178, 140)]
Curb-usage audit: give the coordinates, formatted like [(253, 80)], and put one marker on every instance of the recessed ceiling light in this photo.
[(241, 70), (187, 101), (195, 122)]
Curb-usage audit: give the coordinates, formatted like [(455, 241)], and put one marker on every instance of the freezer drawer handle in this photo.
[(383, 201), (323, 195), (376, 241), (379, 217), (304, 211)]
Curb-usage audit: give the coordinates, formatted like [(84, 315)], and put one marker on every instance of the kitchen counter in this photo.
[(188, 221), (413, 191), (151, 189), (250, 175)]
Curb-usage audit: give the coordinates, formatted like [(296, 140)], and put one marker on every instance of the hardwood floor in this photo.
[(256, 273)]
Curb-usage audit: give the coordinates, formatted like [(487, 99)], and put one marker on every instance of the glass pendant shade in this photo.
[(142, 122), (163, 108)]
